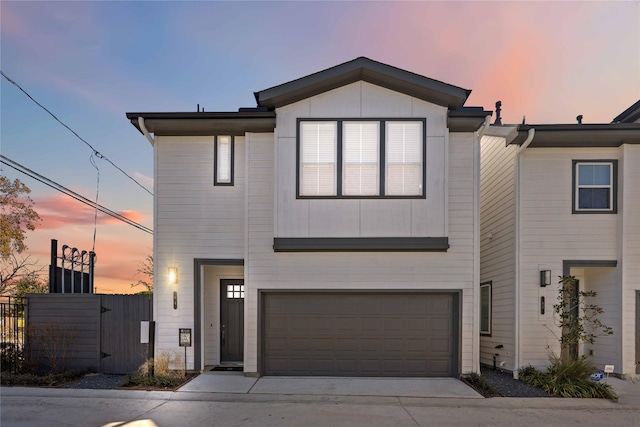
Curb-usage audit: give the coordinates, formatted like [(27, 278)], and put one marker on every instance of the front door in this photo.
[(231, 320)]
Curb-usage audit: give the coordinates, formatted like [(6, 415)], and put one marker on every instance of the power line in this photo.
[(96, 152), (46, 181)]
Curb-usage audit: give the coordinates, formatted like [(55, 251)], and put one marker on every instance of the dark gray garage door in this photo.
[(360, 334)]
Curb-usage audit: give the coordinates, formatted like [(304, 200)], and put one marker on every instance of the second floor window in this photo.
[(223, 160), (594, 186), (365, 158)]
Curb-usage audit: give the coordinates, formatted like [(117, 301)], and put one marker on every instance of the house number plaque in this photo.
[(185, 337)]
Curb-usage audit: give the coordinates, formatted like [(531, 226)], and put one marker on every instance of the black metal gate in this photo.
[(12, 333)]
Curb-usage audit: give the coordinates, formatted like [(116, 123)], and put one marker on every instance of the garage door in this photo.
[(360, 334)]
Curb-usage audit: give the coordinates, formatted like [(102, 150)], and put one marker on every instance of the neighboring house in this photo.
[(331, 230), (563, 198)]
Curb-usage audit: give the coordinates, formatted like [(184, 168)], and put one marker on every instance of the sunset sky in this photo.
[(90, 62)]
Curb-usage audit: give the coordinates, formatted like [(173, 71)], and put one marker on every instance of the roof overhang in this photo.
[(629, 115), (466, 119), (579, 135), (199, 124), (365, 69)]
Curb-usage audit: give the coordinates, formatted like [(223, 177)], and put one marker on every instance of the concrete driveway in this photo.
[(236, 382)]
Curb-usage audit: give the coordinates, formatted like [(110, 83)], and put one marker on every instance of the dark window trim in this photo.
[(614, 187), (381, 155), (197, 303), (215, 162), (360, 244), (490, 285)]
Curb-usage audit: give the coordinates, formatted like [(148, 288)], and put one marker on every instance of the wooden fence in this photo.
[(87, 331)]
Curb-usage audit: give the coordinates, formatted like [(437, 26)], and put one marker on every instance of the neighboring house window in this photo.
[(594, 186), (485, 308), (223, 160), (364, 158)]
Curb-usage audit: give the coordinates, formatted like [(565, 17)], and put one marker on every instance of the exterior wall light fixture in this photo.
[(545, 278), (173, 275)]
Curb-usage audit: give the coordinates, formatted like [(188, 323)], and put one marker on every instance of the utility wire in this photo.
[(96, 152), (46, 181), (95, 216)]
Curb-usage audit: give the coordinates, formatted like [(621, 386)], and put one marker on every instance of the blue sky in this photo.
[(90, 62)]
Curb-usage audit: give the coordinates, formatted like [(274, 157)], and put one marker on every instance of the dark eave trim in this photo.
[(466, 119), (199, 124), (580, 135), (360, 244), (370, 71), (629, 115)]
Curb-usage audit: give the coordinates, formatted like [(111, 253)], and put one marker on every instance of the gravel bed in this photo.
[(508, 386), (98, 381)]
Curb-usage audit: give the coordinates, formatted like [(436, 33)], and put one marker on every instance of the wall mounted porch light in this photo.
[(173, 275), (545, 278)]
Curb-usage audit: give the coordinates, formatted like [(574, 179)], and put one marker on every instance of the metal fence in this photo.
[(12, 331)]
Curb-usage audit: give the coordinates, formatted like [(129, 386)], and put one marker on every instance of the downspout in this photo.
[(476, 243), (525, 144), (144, 130)]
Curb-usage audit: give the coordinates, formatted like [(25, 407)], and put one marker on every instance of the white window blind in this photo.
[(318, 158), (223, 166), (360, 142), (595, 189), (404, 159)]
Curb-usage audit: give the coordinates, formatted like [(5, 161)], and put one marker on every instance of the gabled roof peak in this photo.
[(364, 69)]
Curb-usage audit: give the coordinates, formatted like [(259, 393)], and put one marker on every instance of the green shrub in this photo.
[(569, 378), (53, 380)]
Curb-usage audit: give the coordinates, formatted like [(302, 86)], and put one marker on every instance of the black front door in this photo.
[(231, 320)]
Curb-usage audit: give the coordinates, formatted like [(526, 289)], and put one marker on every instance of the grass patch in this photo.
[(568, 379), (31, 380), (480, 384)]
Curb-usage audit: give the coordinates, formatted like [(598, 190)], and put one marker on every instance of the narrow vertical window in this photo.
[(318, 160), (404, 159), (360, 142), (224, 160), (485, 308)]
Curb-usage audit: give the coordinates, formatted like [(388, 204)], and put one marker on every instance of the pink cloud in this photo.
[(60, 211)]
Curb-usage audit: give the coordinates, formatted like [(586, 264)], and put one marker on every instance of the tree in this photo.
[(145, 268), (30, 284), (15, 269), (18, 216), (577, 317)]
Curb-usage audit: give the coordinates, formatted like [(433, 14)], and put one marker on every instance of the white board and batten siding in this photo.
[(279, 214), (497, 247), (193, 219)]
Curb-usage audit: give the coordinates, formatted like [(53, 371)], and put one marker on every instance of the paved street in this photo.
[(21, 407)]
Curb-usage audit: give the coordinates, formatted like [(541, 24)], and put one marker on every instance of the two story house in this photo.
[(556, 200), (333, 229)]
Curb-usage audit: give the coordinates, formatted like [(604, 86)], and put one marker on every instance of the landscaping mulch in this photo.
[(508, 386)]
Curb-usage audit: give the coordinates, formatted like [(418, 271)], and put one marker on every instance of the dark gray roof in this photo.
[(578, 135), (368, 70), (629, 115), (228, 123)]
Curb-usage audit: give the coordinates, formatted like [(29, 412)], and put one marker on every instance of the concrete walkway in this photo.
[(236, 382)]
